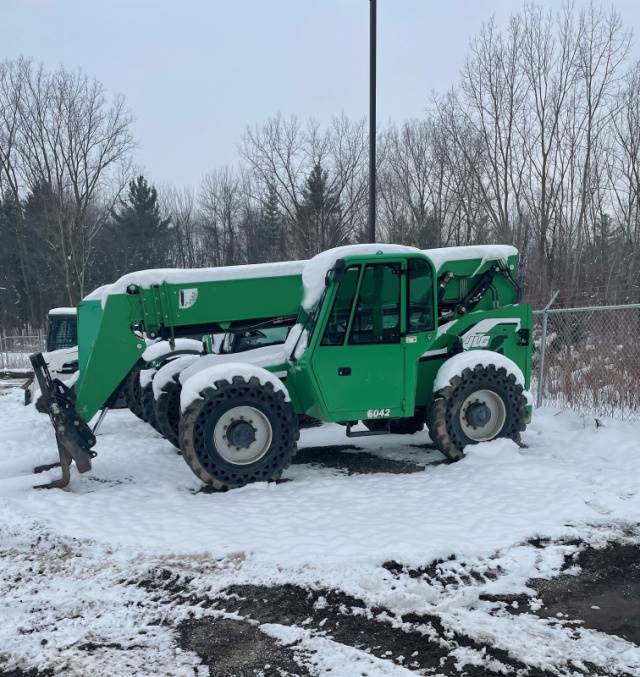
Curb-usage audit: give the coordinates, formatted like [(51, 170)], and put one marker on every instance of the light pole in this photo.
[(372, 119)]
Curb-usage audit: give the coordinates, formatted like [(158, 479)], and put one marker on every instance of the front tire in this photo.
[(238, 433), (478, 405)]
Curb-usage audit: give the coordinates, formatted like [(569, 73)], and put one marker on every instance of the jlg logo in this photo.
[(476, 341)]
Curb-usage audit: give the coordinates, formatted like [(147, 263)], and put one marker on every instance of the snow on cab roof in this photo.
[(315, 270), (485, 252), (63, 311)]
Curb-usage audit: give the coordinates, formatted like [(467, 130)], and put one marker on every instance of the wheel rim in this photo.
[(482, 415), (242, 435)]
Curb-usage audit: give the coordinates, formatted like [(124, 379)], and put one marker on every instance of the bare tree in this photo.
[(75, 141), (220, 203), (282, 156)]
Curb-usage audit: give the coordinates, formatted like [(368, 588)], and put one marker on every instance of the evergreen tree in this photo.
[(13, 311), (46, 263), (143, 235), (319, 215)]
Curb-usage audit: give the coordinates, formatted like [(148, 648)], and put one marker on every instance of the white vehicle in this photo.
[(61, 355)]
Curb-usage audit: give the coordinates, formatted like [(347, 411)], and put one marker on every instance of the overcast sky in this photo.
[(195, 73)]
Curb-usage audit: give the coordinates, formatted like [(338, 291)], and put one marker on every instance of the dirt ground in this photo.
[(605, 595)]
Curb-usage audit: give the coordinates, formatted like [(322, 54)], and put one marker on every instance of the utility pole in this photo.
[(372, 119)]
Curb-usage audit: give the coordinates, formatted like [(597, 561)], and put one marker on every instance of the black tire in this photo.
[(132, 392), (446, 429), (198, 423), (147, 402), (167, 411)]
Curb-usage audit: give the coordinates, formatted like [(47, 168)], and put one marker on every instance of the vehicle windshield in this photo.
[(62, 333), (255, 338)]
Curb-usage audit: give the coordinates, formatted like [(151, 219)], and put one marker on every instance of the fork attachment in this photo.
[(73, 436)]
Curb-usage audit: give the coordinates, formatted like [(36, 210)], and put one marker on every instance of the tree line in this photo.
[(537, 144)]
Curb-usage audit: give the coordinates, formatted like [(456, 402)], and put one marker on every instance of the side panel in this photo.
[(495, 330), (107, 350)]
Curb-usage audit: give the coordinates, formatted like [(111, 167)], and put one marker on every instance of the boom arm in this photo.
[(111, 337)]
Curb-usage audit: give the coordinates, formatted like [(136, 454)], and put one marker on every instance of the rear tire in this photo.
[(146, 403), (240, 405), (167, 412), (479, 405), (132, 392)]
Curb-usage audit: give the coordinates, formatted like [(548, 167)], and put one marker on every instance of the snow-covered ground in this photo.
[(82, 569)]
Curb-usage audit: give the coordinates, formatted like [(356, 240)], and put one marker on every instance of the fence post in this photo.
[(543, 346)]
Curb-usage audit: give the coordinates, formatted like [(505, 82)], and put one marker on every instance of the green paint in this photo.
[(367, 337)]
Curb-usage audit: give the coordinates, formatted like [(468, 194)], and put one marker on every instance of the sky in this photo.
[(195, 73)]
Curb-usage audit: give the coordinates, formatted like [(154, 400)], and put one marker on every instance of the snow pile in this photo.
[(169, 370), (206, 378), (316, 269), (160, 348), (470, 359), (146, 377)]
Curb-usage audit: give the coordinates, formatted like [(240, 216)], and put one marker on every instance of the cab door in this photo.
[(358, 362)]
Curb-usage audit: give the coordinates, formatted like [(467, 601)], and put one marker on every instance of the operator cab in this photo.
[(62, 342), (378, 315), (61, 356)]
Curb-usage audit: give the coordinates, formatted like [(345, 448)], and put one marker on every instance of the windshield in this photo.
[(255, 338), (62, 332)]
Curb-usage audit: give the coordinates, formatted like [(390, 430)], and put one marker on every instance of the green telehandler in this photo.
[(385, 335)]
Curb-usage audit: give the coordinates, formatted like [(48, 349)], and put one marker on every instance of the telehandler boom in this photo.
[(384, 334)]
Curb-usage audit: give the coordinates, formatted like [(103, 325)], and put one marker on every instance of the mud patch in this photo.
[(348, 457), (17, 672), (235, 648), (415, 642), (604, 594), (437, 573)]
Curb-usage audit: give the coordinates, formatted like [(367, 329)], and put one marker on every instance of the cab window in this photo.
[(377, 314), (62, 332), (420, 314), (336, 328)]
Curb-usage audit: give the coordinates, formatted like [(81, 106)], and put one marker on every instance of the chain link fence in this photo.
[(588, 359), (15, 350)]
